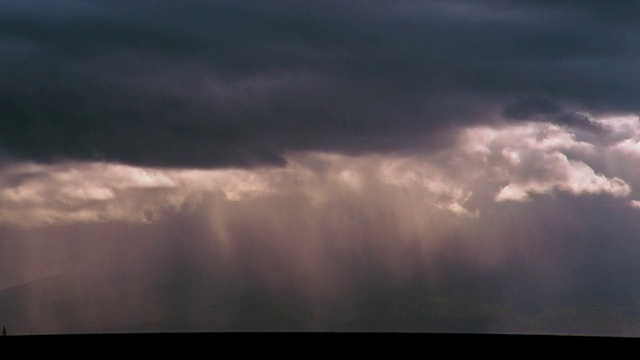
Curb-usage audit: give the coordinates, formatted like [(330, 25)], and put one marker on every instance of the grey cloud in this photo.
[(536, 108), (525, 108), (382, 76), (580, 121)]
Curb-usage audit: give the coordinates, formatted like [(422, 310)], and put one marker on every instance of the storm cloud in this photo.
[(442, 166), (241, 83)]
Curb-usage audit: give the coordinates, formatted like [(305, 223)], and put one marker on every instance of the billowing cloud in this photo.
[(531, 159)]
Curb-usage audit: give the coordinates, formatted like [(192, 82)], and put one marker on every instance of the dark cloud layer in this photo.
[(189, 83)]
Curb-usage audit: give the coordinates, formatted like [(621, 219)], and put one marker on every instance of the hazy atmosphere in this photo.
[(362, 165)]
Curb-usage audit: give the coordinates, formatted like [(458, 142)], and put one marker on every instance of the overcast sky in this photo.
[(466, 166)]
